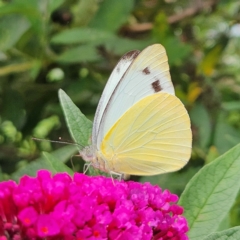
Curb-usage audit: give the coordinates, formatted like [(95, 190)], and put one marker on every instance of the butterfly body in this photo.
[(92, 157), (140, 127)]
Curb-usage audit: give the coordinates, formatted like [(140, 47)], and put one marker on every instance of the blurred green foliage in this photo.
[(74, 45)]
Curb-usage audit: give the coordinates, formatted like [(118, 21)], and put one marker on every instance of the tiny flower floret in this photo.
[(82, 207)]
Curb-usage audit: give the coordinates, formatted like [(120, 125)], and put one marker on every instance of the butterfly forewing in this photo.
[(152, 137), (113, 80), (148, 74)]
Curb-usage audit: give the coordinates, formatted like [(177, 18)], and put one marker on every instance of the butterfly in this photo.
[(140, 126)]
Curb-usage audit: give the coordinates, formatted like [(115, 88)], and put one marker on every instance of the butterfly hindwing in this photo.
[(152, 137)]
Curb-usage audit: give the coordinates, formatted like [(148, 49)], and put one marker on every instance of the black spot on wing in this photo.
[(146, 71), (156, 86), (131, 55), (128, 57)]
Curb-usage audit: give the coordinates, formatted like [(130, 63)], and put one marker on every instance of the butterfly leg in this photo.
[(119, 175), (86, 167)]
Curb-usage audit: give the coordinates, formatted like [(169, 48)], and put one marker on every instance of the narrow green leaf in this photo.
[(213, 55), (62, 155), (54, 4), (229, 234), (65, 153), (210, 194), (201, 120), (84, 11), (112, 14), (120, 45), (79, 126), (12, 33), (81, 35), (231, 105), (55, 165), (85, 53), (20, 6)]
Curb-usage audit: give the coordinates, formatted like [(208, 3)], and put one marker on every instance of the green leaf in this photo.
[(120, 45), (1, 175), (45, 126), (84, 11), (235, 213), (112, 14), (161, 28), (79, 126), (213, 55), (55, 165), (225, 136), (12, 33), (211, 155), (3, 56), (174, 182), (81, 35), (14, 108), (210, 194), (201, 120), (30, 9), (229, 234), (62, 155), (84, 53), (225, 224), (54, 4), (20, 6), (231, 105), (173, 46)]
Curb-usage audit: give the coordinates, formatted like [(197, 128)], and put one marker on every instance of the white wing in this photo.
[(146, 75), (112, 82)]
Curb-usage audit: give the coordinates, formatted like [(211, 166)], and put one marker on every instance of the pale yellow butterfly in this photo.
[(140, 126)]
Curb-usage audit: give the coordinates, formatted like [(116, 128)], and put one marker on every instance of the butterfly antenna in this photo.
[(53, 141)]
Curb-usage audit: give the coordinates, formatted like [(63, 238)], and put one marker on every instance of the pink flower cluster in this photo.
[(84, 207)]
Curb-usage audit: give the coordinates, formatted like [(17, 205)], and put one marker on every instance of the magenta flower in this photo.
[(83, 207)]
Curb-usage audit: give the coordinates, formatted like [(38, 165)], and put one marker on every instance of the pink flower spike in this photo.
[(43, 175), (28, 216), (178, 210), (3, 238), (47, 226), (91, 208)]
